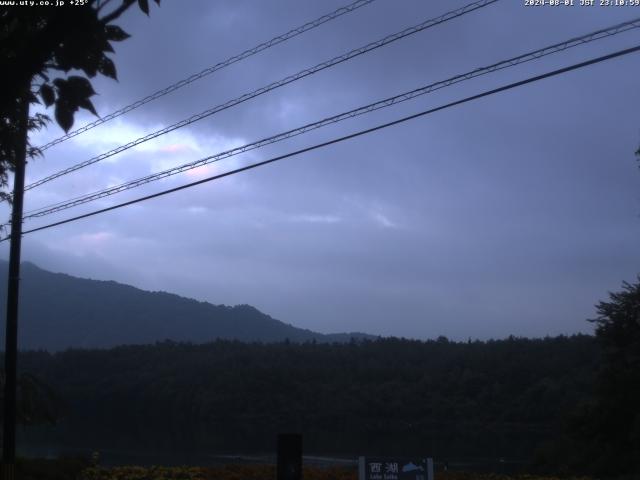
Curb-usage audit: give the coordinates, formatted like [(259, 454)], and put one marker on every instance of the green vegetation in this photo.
[(472, 399), (603, 437), (36, 402), (38, 43), (260, 472), (59, 469), (566, 404), (614, 425)]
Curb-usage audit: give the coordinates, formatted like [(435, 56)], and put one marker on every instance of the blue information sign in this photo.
[(395, 468)]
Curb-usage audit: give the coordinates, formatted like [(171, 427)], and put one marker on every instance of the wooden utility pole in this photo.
[(13, 291)]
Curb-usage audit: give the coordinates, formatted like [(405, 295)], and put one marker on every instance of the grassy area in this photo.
[(261, 472), (81, 469)]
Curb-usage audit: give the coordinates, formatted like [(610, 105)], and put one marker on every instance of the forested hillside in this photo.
[(59, 311), (492, 399)]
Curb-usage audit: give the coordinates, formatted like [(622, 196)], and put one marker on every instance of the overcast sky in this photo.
[(513, 214)]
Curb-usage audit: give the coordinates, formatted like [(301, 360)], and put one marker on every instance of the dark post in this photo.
[(11, 339), (289, 456)]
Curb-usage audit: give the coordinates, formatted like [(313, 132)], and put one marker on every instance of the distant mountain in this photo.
[(58, 311)]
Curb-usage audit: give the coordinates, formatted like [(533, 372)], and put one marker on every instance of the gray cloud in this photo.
[(514, 214)]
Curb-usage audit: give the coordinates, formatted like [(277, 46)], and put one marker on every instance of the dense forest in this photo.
[(496, 399)]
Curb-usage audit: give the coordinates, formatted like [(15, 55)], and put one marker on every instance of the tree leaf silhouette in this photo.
[(47, 94), (108, 68), (115, 33), (144, 6), (64, 115)]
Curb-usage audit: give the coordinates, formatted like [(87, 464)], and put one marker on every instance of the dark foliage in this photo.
[(475, 399), (602, 436), (60, 469), (37, 403), (39, 47), (611, 427)]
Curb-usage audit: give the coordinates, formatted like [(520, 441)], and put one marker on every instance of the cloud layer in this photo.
[(511, 215)]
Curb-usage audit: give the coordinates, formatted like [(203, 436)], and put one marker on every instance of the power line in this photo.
[(536, 54), (214, 68), (346, 137), (285, 81)]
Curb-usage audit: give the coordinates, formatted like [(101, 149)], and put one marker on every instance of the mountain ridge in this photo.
[(60, 311)]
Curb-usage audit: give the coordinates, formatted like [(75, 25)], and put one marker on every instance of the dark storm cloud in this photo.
[(512, 214)]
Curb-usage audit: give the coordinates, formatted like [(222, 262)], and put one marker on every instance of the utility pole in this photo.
[(13, 290)]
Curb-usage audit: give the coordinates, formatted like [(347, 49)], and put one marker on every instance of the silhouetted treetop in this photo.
[(39, 47)]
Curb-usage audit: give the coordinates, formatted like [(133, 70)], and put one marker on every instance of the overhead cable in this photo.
[(214, 68), (272, 86), (341, 139), (536, 54)]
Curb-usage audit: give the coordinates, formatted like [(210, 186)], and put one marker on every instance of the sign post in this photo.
[(289, 465)]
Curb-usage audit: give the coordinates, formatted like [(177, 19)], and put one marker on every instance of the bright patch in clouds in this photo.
[(372, 210), (383, 220), (86, 243), (196, 209), (102, 244), (202, 171), (114, 181), (175, 148), (113, 134), (168, 150), (311, 218), (179, 148), (98, 238)]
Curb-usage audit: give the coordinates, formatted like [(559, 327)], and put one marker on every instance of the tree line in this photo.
[(495, 399)]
